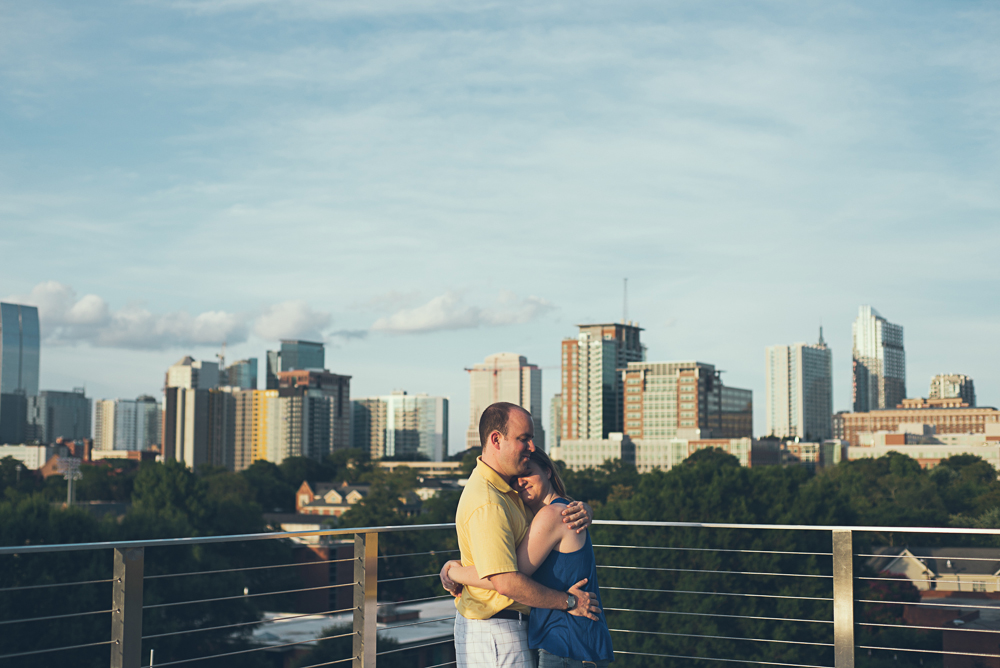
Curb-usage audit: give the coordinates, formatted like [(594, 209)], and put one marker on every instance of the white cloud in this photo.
[(449, 311), (291, 320), (67, 319)]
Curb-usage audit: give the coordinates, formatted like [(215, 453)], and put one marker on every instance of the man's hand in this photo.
[(578, 515), (450, 585), (586, 603)]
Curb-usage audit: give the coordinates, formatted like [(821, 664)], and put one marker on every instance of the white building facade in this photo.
[(879, 362), (799, 390), (504, 377)]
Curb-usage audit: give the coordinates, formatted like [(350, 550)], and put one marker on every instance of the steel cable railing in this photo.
[(726, 602)]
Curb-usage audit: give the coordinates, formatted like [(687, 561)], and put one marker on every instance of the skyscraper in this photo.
[(53, 414), (665, 400), (294, 355), (953, 386), (879, 362), (401, 425), (19, 351), (242, 374), (195, 420), (504, 377), (592, 387), (799, 386), (126, 424)]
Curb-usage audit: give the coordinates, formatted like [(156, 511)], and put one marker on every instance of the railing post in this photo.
[(126, 607), (365, 598), (843, 599)]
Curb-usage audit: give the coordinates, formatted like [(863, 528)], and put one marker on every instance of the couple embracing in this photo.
[(526, 585)]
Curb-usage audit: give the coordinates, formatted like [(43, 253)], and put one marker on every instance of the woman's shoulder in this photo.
[(550, 514)]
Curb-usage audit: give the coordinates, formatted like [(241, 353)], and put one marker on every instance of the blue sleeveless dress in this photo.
[(557, 631)]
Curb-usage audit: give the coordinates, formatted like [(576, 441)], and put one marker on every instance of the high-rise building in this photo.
[(53, 414), (317, 414), (946, 416), (242, 374), (799, 386), (879, 362), (401, 425), (504, 377), (683, 400), (592, 386), (194, 414), (555, 421), (294, 355), (259, 430), (19, 353), (953, 386), (127, 424)]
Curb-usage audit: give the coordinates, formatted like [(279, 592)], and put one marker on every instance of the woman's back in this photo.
[(558, 632)]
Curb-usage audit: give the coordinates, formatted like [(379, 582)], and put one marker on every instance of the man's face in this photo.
[(516, 447)]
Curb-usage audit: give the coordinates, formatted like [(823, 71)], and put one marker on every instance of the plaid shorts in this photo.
[(492, 643)]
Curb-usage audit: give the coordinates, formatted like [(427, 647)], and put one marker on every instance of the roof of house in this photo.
[(942, 560)]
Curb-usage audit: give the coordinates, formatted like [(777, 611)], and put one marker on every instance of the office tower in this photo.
[(19, 350), (953, 386), (799, 386), (53, 414), (879, 362), (504, 377), (294, 355), (126, 424), (193, 375), (555, 421), (316, 410), (683, 400), (242, 374), (401, 425), (259, 432), (194, 414), (592, 386)]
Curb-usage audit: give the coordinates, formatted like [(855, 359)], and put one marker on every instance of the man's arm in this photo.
[(526, 591), (578, 515)]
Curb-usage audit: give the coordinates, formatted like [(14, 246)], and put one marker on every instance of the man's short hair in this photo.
[(494, 418)]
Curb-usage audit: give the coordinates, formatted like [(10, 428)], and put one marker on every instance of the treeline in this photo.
[(648, 569)]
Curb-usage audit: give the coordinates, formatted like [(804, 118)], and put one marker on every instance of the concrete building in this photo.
[(921, 442), (649, 454), (953, 386), (555, 420), (504, 377), (32, 457), (54, 414), (316, 411), (259, 432), (947, 416), (20, 342), (401, 425), (593, 393), (193, 375), (197, 415), (683, 400), (127, 424), (879, 362), (241, 374), (293, 355), (799, 390)]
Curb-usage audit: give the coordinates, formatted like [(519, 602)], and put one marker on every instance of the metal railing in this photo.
[(799, 596)]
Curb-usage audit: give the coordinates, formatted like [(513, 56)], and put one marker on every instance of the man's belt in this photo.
[(510, 614)]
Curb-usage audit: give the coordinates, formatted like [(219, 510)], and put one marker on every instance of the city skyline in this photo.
[(420, 187)]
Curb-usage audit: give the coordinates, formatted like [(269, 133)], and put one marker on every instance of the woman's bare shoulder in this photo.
[(550, 514)]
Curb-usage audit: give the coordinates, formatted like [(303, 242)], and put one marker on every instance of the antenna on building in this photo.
[(821, 341), (625, 302)]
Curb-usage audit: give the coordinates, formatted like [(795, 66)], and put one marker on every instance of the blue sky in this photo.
[(425, 183)]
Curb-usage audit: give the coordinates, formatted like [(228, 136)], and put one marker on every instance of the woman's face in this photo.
[(535, 484)]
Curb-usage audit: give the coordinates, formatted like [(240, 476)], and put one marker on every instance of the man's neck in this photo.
[(495, 466)]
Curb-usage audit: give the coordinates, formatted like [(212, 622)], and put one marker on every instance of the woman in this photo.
[(557, 557)]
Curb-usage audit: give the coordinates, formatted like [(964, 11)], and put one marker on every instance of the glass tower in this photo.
[(19, 346)]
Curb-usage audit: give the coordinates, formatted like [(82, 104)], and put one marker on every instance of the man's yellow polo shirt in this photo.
[(491, 523)]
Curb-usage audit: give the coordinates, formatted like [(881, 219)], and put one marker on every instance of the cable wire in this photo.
[(315, 665), (404, 649), (719, 593), (709, 658), (248, 568), (693, 570), (56, 649), (230, 598), (707, 614), (928, 628), (42, 619), (928, 605), (416, 554), (410, 577), (254, 649), (57, 584), (694, 635), (233, 626), (928, 651), (712, 549)]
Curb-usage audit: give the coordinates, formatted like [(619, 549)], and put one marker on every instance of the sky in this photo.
[(421, 184)]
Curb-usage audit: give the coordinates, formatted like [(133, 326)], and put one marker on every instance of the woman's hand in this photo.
[(578, 515), (450, 585), (586, 603)]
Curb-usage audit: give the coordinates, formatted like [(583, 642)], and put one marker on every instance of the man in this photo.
[(491, 628)]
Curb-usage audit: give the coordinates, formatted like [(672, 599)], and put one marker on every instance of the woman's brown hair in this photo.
[(543, 460)]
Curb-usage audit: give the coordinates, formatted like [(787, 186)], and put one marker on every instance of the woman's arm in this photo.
[(546, 531), (465, 575)]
